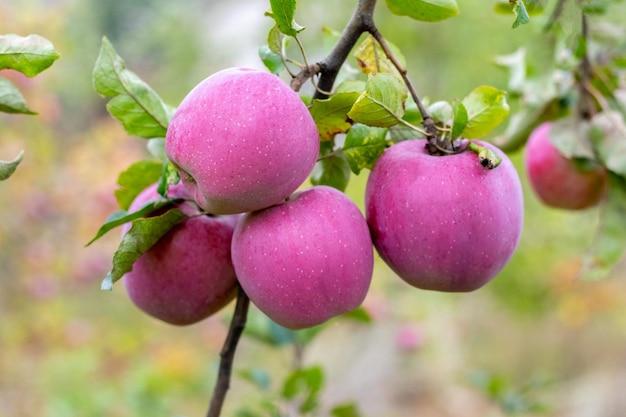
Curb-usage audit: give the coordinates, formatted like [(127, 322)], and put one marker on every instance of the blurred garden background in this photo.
[(535, 341)]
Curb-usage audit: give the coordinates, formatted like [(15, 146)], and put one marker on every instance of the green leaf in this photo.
[(260, 378), (571, 137), (359, 314), (305, 384), (11, 100), (143, 233), (331, 114), (486, 108), (122, 216), (610, 240), (272, 61), (372, 59), (345, 410), (332, 170), (363, 146), (283, 12), (460, 119), (441, 112), (424, 10), (135, 179), (608, 130), (29, 55), (520, 12), (7, 168), (382, 102), (275, 40), (137, 106), (169, 176)]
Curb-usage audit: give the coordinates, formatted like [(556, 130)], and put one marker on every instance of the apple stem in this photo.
[(227, 354)]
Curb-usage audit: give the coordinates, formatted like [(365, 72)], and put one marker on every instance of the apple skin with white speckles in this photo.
[(443, 223), (242, 140), (187, 275), (306, 260), (556, 180)]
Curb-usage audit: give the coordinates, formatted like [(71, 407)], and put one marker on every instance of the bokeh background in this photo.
[(535, 341)]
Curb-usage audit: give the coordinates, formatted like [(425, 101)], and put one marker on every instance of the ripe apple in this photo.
[(306, 260), (557, 180), (242, 140), (187, 275), (443, 223)]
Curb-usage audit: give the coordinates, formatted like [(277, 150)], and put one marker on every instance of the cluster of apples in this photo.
[(243, 143)]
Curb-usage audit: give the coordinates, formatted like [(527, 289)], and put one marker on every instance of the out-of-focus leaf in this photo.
[(29, 55), (11, 100), (143, 233), (363, 146), (345, 410), (331, 114), (441, 112), (571, 137), (358, 314), (305, 384), (610, 240), (608, 133), (486, 108), (7, 168), (135, 179), (133, 102), (256, 376), (424, 10), (382, 102), (283, 12), (272, 61), (515, 63), (332, 170), (372, 59), (520, 12)]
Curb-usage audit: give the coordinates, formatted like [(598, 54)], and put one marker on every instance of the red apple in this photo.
[(306, 260), (242, 140), (187, 275), (443, 223), (557, 180)]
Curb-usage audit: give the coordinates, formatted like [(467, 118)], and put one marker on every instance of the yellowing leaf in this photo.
[(382, 102), (424, 10), (486, 108)]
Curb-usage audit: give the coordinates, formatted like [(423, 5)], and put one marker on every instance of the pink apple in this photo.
[(187, 275), (242, 140), (306, 260), (557, 180), (443, 223)]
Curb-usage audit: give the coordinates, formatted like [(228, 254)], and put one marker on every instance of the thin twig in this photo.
[(237, 324), (585, 102)]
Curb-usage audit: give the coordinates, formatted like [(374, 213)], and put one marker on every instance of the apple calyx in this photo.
[(487, 157)]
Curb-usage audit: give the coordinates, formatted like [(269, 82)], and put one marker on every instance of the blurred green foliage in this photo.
[(69, 349)]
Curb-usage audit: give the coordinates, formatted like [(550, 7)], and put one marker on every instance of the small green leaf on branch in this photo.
[(331, 114), (486, 108), (122, 216), (382, 102), (7, 168), (11, 100), (460, 119), (283, 12), (610, 240), (29, 55), (135, 179), (133, 102), (372, 59), (520, 12), (424, 10), (143, 233), (272, 61), (363, 146)]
